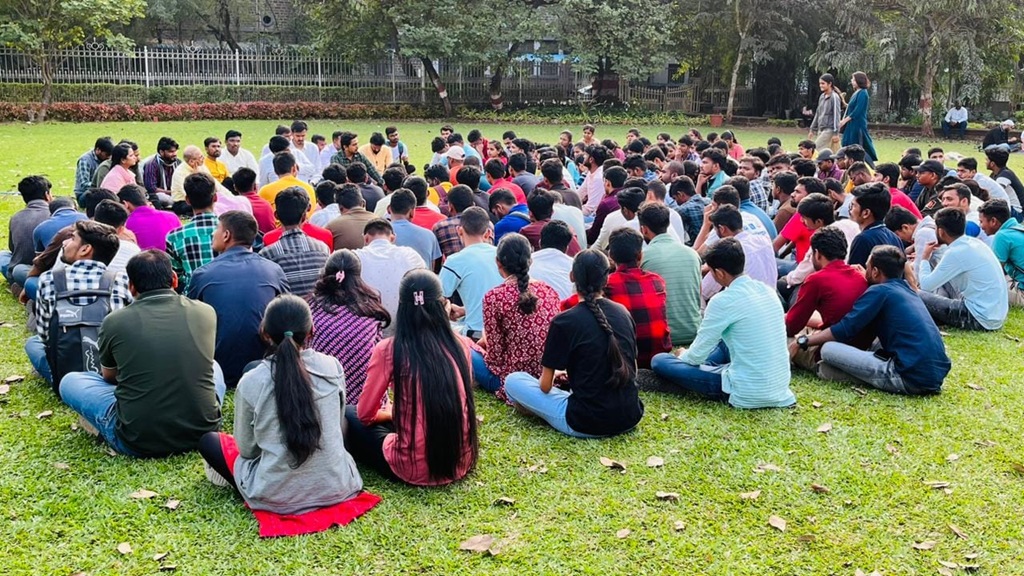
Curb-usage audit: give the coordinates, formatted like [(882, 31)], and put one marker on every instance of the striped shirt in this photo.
[(347, 337), (679, 267), (301, 257), (747, 316)]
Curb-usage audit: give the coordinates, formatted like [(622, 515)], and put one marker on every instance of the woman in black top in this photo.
[(595, 343)]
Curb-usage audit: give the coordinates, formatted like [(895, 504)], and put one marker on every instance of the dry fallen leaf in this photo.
[(481, 543), (971, 556), (945, 572), (168, 568), (766, 467), (985, 443), (860, 390), (936, 484), (625, 532), (539, 467), (943, 333), (664, 417), (817, 404), (952, 565), (61, 466), (825, 428), (974, 386), (819, 489), (777, 523), (4, 389), (504, 501), (142, 495), (750, 495), (655, 461), (160, 556), (44, 414), (892, 449), (679, 525), (667, 496), (609, 463), (1017, 467), (172, 504), (14, 378), (807, 538), (480, 418), (952, 457), (925, 545), (956, 530), (124, 548)]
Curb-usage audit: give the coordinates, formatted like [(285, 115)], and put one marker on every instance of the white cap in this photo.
[(1008, 123)]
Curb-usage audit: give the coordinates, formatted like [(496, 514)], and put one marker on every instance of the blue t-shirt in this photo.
[(518, 216), (47, 229), (238, 284), (875, 235), (897, 316), (419, 239), (750, 208), (471, 272)]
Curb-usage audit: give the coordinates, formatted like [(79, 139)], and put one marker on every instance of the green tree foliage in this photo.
[(41, 27)]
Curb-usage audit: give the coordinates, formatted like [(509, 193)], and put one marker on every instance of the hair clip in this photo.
[(339, 276), (288, 334), (417, 298)]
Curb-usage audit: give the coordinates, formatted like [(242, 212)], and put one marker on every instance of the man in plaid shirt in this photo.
[(85, 254), (447, 231), (690, 206), (751, 168), (642, 293), (300, 256), (191, 246), (87, 164), (349, 153)]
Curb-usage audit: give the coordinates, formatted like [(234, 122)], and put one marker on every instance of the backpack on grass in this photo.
[(72, 343)]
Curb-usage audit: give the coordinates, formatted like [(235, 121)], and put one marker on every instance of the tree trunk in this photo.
[(927, 85), (46, 71), (435, 79), (732, 83), (495, 87)]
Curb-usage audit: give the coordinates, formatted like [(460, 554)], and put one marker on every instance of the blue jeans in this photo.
[(705, 379), (88, 394), (35, 349), (19, 273), (5, 261), (524, 391), (484, 377)]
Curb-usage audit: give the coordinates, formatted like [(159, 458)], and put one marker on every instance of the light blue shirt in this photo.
[(970, 267), (471, 272), (418, 238), (748, 317)]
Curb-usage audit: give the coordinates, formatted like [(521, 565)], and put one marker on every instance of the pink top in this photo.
[(736, 151), (900, 198), (118, 177), (379, 379), (226, 202), (151, 226), (515, 341)]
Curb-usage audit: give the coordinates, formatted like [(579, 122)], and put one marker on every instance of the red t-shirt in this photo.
[(900, 198), (511, 187), (262, 211), (798, 234), (426, 218), (310, 230)]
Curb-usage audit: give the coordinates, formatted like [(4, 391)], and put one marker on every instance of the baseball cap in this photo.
[(825, 156), (456, 153), (1008, 123), (840, 154), (933, 166)]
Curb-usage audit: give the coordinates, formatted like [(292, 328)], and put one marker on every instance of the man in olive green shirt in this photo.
[(160, 389), (679, 266)]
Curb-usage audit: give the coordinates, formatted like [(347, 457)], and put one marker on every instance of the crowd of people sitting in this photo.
[(352, 304)]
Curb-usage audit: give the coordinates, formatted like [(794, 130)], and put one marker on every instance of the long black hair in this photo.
[(341, 285), (590, 274), (514, 256), (287, 322), (423, 351)]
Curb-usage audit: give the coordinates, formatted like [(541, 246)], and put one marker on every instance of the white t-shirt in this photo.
[(552, 267), (384, 265), (244, 159)]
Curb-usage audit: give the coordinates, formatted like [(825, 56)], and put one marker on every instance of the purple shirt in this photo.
[(151, 226)]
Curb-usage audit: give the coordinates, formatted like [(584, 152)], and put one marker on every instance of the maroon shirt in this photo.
[(262, 211), (831, 291), (532, 233), (609, 204)]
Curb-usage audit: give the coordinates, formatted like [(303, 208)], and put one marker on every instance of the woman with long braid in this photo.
[(595, 343), (517, 314)]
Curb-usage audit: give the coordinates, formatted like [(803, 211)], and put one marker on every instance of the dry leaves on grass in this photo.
[(819, 489), (974, 386), (539, 468), (667, 496), (936, 484), (766, 467), (1017, 467), (860, 572), (504, 501), (480, 544), (13, 379), (679, 525), (142, 495), (750, 495), (777, 522), (892, 449), (952, 457), (655, 461), (172, 504), (664, 416), (168, 568), (817, 404), (924, 545), (61, 466), (825, 428), (4, 389), (44, 414), (624, 533), (124, 548), (958, 531), (612, 464), (860, 391)]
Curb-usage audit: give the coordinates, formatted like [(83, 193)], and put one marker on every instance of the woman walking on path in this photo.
[(825, 126)]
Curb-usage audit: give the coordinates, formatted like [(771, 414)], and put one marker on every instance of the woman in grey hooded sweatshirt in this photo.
[(825, 125)]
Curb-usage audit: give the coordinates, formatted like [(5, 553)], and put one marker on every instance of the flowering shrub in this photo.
[(90, 112)]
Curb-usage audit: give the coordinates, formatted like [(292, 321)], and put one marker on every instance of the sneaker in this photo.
[(214, 477)]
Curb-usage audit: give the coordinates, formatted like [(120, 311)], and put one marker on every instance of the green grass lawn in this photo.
[(66, 503)]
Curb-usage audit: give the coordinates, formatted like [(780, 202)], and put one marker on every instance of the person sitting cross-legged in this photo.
[(739, 353), (1007, 245), (300, 256), (517, 314), (909, 358), (472, 271), (595, 343), (160, 389), (287, 454), (967, 289)]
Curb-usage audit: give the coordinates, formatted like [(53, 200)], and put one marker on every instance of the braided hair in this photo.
[(590, 273), (514, 257)]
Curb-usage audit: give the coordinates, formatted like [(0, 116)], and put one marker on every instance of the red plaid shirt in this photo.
[(643, 294)]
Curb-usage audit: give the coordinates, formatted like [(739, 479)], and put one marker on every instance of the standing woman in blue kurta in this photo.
[(855, 124)]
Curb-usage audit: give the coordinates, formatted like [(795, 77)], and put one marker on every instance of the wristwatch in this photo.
[(802, 341)]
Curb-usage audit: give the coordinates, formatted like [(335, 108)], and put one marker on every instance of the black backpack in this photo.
[(72, 344)]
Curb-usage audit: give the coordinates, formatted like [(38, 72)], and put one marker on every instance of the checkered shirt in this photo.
[(759, 195), (191, 246), (82, 275), (447, 233), (371, 170), (302, 258), (692, 213)]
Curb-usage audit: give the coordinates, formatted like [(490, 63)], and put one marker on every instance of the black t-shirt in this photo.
[(1015, 182), (576, 344)]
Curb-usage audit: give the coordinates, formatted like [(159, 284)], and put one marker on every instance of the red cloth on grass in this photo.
[(273, 525)]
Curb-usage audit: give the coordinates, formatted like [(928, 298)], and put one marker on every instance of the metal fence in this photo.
[(100, 74)]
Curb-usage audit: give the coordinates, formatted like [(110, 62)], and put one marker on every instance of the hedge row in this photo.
[(140, 95), (89, 112)]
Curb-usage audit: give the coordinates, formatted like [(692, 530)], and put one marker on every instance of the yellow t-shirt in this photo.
[(270, 191), (434, 197), (217, 169), (381, 160)]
